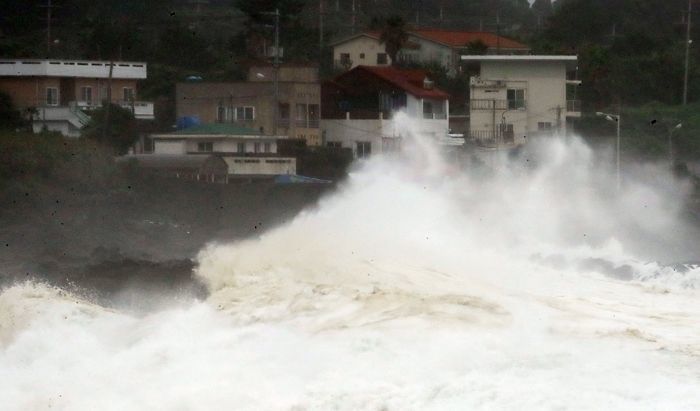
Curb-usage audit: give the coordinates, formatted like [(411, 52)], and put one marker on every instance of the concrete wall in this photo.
[(31, 91), (544, 83), (202, 100), (384, 135), (357, 46), (261, 165)]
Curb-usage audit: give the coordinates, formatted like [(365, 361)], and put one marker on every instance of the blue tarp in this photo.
[(296, 179)]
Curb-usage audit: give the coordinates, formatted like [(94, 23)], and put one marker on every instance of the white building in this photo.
[(423, 46), (246, 151), (359, 109), (59, 94), (516, 97)]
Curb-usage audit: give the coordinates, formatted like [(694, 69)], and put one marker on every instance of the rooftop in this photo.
[(72, 68), (411, 81), (569, 60), (452, 38), (462, 38)]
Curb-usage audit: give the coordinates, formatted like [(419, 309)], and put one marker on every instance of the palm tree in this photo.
[(394, 36)]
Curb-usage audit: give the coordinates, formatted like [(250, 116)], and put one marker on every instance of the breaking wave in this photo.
[(524, 281)]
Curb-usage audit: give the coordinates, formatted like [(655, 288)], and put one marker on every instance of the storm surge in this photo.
[(525, 280)]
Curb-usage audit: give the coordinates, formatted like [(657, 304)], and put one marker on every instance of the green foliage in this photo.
[(28, 158), (117, 130), (9, 116)]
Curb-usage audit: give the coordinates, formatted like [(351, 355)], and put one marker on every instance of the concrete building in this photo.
[(423, 46), (360, 109), (252, 103), (516, 97), (246, 151), (59, 94)]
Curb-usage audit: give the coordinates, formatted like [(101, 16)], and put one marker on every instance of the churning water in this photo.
[(529, 283)]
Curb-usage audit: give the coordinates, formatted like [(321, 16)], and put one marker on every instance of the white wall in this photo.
[(169, 147), (363, 44), (261, 165), (382, 134), (544, 83)]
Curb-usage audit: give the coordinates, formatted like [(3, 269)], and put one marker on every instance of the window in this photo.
[(240, 147), (364, 149), (267, 147), (544, 126), (314, 114), (221, 114), (334, 144), (516, 99), (362, 56), (245, 113), (427, 109), (345, 59), (507, 133), (128, 94), (51, 96), (86, 95), (381, 58), (283, 111), (205, 147), (256, 147)]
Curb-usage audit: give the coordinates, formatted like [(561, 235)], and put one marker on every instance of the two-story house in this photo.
[(293, 110), (516, 97), (361, 106), (423, 46), (59, 94), (246, 151)]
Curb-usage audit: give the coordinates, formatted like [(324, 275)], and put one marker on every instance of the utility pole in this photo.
[(353, 17), (108, 108), (276, 71), (687, 53), (558, 120), (320, 27), (498, 32), (48, 6)]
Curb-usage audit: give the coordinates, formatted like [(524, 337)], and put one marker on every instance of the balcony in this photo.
[(491, 104), (308, 123), (573, 108), (435, 116), (142, 110), (492, 139)]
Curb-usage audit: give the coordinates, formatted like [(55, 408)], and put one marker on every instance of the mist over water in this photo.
[(525, 281)]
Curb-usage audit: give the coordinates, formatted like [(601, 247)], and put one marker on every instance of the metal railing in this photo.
[(488, 104), (435, 116), (491, 138)]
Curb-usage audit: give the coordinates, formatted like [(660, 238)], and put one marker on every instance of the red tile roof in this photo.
[(462, 38), (411, 81)]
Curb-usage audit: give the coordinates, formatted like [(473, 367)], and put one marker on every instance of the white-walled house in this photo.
[(359, 109), (246, 151), (516, 97), (423, 46)]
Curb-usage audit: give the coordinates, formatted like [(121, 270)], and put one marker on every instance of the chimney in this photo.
[(428, 84)]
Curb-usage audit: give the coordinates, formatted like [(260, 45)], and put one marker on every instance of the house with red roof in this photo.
[(373, 109), (423, 46)]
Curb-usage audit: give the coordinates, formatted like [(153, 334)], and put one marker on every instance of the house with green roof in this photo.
[(246, 151)]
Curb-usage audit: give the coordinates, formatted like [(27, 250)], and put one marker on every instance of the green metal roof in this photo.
[(224, 129)]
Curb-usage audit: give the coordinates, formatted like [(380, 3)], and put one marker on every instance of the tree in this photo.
[(477, 48), (394, 36), (9, 116), (121, 132)]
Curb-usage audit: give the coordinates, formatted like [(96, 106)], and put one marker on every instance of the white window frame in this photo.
[(245, 109), (52, 102), (131, 94), (83, 97)]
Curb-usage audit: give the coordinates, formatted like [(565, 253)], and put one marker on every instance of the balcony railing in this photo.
[(435, 116), (494, 104), (573, 106), (483, 104), (491, 138), (308, 123)]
